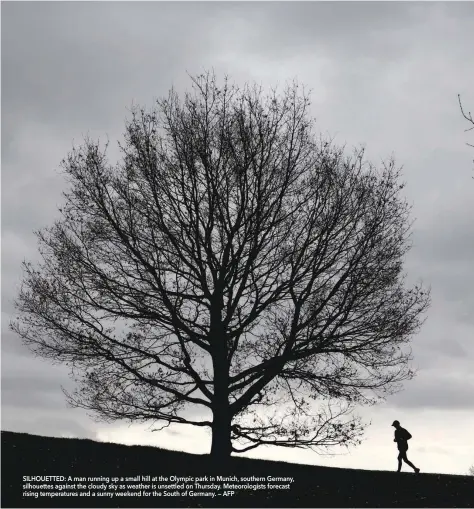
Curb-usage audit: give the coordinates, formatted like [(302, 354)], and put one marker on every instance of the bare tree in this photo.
[(230, 261), (468, 116)]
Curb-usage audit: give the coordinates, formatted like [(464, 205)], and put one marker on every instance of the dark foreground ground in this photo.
[(31, 455)]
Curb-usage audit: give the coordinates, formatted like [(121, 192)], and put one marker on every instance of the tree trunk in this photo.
[(221, 447)]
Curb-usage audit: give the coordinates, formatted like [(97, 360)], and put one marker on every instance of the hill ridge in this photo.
[(314, 485)]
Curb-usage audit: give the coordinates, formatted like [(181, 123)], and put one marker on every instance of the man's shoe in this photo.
[(417, 470)]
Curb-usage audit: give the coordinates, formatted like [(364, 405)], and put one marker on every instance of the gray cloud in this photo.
[(437, 390), (27, 383), (61, 61), (437, 450), (48, 423), (338, 29)]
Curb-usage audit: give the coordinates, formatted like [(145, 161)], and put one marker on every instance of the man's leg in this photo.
[(400, 456), (408, 462)]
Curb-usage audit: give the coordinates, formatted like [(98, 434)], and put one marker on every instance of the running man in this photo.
[(401, 437)]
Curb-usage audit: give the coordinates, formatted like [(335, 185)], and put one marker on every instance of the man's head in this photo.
[(396, 424)]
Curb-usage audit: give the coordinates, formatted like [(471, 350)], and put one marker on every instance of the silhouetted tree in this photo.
[(230, 261), (468, 117)]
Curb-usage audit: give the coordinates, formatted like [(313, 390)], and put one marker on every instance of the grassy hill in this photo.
[(313, 486)]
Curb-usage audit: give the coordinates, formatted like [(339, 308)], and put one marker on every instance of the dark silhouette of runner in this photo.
[(401, 437)]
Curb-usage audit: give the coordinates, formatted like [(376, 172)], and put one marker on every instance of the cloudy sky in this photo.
[(382, 75)]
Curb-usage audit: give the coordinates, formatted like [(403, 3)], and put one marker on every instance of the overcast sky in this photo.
[(383, 75)]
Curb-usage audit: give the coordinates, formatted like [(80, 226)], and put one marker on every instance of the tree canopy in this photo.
[(232, 271)]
